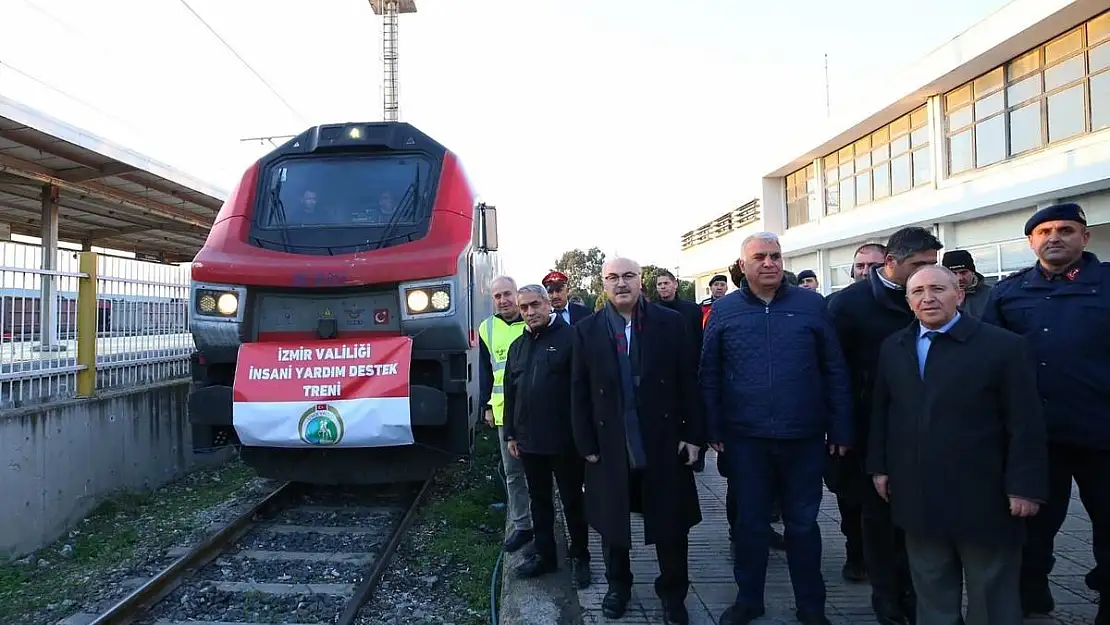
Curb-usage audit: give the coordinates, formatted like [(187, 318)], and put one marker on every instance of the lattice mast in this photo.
[(390, 11)]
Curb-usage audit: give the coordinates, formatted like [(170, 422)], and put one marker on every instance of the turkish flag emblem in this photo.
[(381, 316)]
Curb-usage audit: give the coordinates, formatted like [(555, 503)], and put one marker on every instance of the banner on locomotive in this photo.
[(333, 393)]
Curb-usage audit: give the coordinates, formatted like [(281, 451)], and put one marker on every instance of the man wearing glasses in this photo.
[(637, 419)]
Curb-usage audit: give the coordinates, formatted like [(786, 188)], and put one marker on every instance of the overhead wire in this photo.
[(66, 94), (250, 67)]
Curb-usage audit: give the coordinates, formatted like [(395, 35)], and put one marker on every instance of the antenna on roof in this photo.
[(269, 139)]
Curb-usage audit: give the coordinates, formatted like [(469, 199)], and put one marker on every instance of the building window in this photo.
[(892, 160), (800, 187), (1056, 92), (840, 276), (998, 260)]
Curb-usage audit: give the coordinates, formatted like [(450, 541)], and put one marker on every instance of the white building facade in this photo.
[(1011, 115)]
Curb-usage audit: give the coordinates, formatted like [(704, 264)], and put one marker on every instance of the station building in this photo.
[(1009, 116)]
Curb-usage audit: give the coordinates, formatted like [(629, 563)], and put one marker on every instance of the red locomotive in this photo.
[(335, 307)]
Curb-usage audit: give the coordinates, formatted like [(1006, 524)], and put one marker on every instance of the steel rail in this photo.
[(144, 597), (365, 590)]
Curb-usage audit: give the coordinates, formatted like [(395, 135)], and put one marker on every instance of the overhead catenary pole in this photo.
[(390, 11)]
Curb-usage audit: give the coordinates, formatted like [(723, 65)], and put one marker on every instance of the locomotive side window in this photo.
[(346, 191)]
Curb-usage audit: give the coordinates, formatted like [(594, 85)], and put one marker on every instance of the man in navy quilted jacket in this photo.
[(777, 396)]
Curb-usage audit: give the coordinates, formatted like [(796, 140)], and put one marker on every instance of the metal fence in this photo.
[(134, 313)]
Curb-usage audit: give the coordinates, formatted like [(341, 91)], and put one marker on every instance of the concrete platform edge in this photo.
[(547, 600)]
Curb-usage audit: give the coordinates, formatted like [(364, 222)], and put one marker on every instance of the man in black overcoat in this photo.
[(958, 447), (638, 420)]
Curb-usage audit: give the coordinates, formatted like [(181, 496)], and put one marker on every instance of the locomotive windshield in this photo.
[(342, 204)]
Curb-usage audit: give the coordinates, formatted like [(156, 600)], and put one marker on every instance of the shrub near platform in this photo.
[(459, 533)]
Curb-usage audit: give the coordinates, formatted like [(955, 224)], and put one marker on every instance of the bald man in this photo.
[(637, 420)]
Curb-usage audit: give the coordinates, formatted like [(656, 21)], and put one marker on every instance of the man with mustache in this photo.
[(496, 334), (556, 283), (1061, 305), (537, 430), (776, 391), (638, 421)]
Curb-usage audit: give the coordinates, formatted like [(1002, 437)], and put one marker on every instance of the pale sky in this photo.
[(615, 123)]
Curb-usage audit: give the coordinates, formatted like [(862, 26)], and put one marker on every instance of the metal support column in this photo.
[(48, 292), (390, 26)]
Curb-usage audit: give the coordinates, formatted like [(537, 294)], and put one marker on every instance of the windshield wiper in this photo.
[(278, 212), (408, 200)]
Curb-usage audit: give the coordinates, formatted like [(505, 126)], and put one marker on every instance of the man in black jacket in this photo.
[(865, 314), (666, 285), (537, 430)]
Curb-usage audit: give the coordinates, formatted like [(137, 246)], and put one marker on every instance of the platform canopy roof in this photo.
[(107, 195)]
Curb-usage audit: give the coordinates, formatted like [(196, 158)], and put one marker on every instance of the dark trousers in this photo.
[(884, 548), (673, 582), (851, 526), (789, 471), (730, 509), (1091, 469), (569, 472), (939, 569)]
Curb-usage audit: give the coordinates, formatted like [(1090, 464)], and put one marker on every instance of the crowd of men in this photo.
[(948, 417)]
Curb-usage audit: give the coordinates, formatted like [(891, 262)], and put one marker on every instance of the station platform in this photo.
[(713, 589)]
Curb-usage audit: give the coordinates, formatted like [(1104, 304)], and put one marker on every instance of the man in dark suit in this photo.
[(958, 447), (866, 313), (637, 419), (666, 285), (556, 284)]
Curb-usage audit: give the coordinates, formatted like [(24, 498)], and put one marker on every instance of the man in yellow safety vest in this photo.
[(497, 333)]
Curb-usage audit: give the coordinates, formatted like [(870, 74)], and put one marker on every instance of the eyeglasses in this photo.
[(627, 276)]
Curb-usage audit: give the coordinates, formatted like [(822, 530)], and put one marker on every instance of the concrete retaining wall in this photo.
[(59, 460)]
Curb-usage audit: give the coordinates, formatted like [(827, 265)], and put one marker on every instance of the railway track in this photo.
[(301, 555)]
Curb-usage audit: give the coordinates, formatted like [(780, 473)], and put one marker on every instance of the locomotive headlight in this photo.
[(417, 301), (217, 301), (228, 304), (441, 300), (424, 299)]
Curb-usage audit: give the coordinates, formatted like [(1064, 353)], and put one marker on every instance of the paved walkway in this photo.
[(712, 587)]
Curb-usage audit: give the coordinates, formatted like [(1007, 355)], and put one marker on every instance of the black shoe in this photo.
[(615, 602), (778, 542), (812, 618), (1037, 599), (536, 565), (580, 572), (674, 613), (740, 615), (888, 612), (517, 539), (854, 572)]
